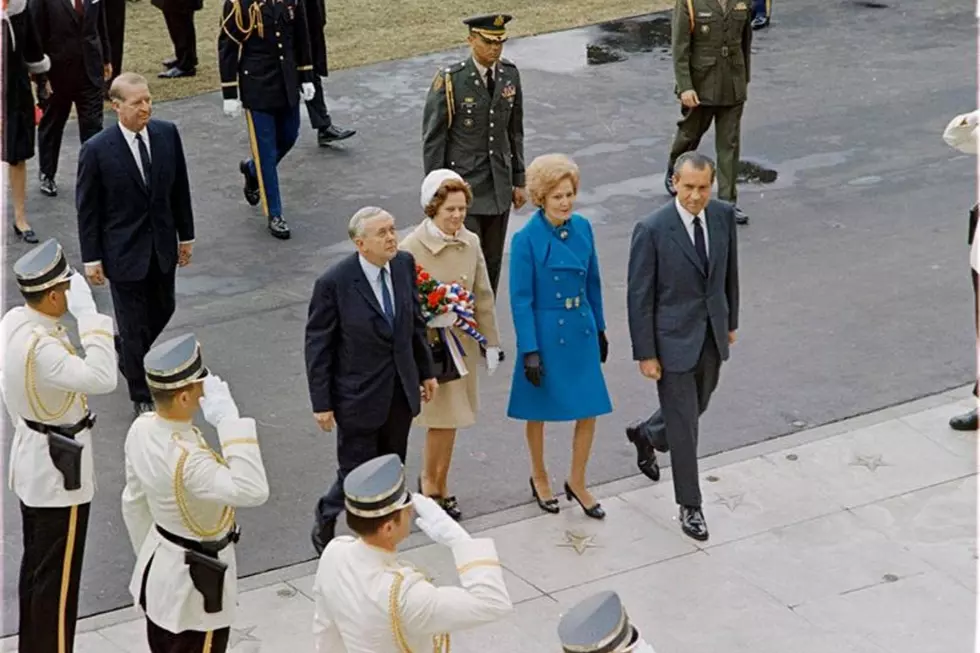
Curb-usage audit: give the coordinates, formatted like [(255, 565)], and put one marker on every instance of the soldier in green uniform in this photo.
[(712, 43), (474, 124)]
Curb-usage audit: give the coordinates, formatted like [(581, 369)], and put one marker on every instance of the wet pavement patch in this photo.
[(755, 172), (871, 4), (616, 40)]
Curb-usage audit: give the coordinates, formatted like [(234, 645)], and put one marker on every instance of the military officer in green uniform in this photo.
[(712, 43), (474, 124)]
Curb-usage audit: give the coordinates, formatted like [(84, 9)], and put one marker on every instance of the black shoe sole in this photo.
[(695, 536)]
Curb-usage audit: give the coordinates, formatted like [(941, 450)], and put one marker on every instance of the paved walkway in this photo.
[(856, 537)]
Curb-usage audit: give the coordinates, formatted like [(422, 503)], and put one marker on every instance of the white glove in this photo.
[(972, 118), (442, 321), (217, 402), (232, 108), (307, 91), (434, 522), (80, 300), (493, 359)]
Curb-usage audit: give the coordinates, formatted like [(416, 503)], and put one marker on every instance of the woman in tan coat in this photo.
[(448, 253)]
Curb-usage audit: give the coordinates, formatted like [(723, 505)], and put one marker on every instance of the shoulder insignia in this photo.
[(437, 82), (508, 62)]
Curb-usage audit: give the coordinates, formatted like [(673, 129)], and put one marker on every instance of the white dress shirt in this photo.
[(481, 70), (688, 219), (373, 274)]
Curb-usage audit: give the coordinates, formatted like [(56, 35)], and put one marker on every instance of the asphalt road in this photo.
[(854, 270)]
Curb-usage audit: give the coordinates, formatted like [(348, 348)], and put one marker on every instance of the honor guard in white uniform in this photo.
[(45, 382), (599, 624), (180, 499), (366, 601)]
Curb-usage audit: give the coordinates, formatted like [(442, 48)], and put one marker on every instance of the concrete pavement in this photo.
[(856, 537), (855, 290)]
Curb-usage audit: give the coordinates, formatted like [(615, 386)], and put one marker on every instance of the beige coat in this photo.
[(456, 403)]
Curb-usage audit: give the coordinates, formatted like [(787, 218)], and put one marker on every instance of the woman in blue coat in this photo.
[(556, 303)]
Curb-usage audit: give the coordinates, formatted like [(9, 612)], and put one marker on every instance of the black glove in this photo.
[(603, 347), (533, 369)]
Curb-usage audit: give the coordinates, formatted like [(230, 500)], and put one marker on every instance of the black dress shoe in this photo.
[(332, 134), (175, 73), (169, 63), (964, 422), (27, 235), (550, 505), (48, 186), (669, 183), (693, 524), (594, 511), (760, 22), (251, 189), (646, 459), (279, 228), (740, 216), (322, 534)]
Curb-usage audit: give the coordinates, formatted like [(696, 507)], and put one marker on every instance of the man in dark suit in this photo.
[(74, 34), (320, 120), (115, 18), (682, 300), (135, 222), (366, 355), (179, 17)]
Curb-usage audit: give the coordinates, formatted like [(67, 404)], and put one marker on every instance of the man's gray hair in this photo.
[(125, 80), (355, 228), (696, 160)]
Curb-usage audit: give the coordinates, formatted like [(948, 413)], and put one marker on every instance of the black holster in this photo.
[(65, 451), (208, 575)]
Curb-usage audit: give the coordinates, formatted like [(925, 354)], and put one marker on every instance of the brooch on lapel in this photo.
[(508, 91), (563, 234)]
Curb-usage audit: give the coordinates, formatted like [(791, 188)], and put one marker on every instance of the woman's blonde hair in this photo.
[(546, 172), (447, 187)]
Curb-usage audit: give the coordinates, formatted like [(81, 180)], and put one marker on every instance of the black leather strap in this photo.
[(207, 547), (69, 431)]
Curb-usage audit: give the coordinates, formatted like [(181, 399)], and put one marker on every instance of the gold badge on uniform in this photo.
[(508, 91), (705, 29), (498, 21), (468, 122)]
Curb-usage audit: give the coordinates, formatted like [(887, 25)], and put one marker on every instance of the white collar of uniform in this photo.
[(131, 135), (688, 217), (373, 553), (40, 318), (185, 429), (372, 271)]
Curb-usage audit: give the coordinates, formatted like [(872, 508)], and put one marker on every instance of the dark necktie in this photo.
[(386, 297), (490, 84), (144, 159), (79, 7), (699, 243)]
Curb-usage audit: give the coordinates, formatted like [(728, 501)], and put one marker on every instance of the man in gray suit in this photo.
[(682, 301)]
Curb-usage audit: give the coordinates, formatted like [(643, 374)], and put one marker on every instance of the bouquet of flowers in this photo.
[(450, 300)]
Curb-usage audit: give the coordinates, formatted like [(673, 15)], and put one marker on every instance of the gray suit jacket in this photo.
[(670, 300)]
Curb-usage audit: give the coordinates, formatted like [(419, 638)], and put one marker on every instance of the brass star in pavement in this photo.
[(239, 635), (730, 501), (871, 462), (578, 541)]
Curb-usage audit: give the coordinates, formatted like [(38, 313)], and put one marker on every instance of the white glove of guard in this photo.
[(972, 118), (307, 91), (493, 359), (232, 108), (442, 321), (80, 301), (434, 522), (217, 403)]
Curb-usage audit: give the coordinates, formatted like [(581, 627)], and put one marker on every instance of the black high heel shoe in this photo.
[(551, 505), (27, 235), (595, 512)]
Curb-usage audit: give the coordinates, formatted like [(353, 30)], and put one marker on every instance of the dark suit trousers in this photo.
[(492, 230), (50, 574), (317, 107), (180, 24), (355, 447), (115, 19), (67, 90), (143, 309), (684, 397)]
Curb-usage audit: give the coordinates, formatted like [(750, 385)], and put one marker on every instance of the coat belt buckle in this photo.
[(578, 302), (724, 50), (568, 303)]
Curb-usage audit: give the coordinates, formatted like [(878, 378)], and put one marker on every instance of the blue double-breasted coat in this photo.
[(556, 304)]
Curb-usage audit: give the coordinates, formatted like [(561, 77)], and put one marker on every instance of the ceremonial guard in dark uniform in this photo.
[(761, 13), (45, 383), (326, 131), (474, 125), (265, 64), (712, 45), (599, 624), (180, 499), (179, 16)]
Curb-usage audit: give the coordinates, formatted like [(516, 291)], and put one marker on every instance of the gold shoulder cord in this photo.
[(180, 494), (440, 643), (30, 385), (690, 14), (450, 98)]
